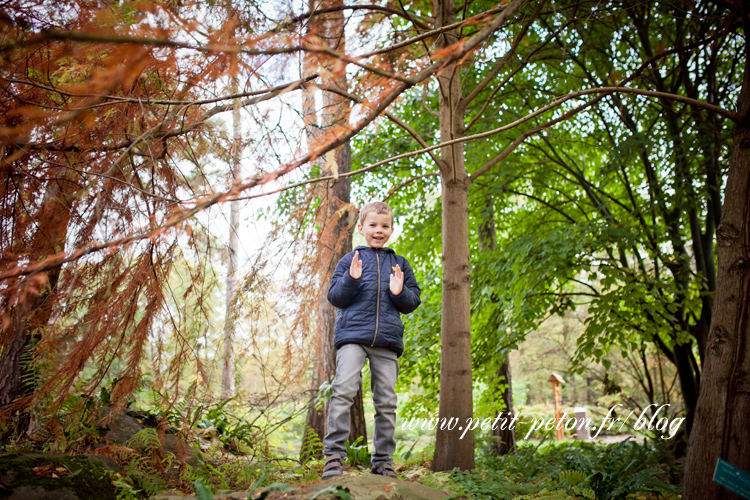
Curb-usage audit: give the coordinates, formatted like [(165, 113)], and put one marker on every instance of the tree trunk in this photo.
[(227, 371), (720, 428), (504, 433), (29, 317), (453, 447), (335, 233)]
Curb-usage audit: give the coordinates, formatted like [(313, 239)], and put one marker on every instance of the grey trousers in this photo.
[(384, 371)]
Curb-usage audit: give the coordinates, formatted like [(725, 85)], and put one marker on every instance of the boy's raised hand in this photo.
[(355, 271), (397, 280)]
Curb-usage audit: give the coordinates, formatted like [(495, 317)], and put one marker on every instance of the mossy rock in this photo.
[(372, 487), (357, 487), (43, 476)]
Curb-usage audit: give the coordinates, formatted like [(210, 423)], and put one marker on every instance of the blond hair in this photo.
[(379, 207)]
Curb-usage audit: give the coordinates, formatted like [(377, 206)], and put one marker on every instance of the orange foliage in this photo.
[(104, 131)]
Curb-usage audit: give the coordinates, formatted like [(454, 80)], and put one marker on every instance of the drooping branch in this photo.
[(432, 33), (86, 37), (162, 102), (157, 133), (421, 22)]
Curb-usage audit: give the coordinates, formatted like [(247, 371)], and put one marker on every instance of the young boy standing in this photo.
[(372, 287)]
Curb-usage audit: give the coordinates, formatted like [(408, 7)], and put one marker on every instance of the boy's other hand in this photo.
[(355, 271), (397, 281)]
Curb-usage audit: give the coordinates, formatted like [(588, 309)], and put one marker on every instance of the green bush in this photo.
[(571, 470)]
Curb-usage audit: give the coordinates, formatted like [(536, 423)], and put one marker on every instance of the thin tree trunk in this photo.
[(451, 449), (504, 435), (720, 429), (227, 371)]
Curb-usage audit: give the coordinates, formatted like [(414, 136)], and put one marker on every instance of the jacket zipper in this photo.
[(377, 310)]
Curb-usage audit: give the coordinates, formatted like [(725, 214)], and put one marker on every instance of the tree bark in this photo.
[(335, 238), (720, 428), (504, 435), (29, 317), (227, 371), (451, 450)]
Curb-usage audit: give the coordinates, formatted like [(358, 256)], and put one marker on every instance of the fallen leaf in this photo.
[(55, 476), (386, 488)]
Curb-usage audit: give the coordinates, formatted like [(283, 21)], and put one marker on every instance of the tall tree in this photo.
[(504, 433), (334, 220), (720, 429), (455, 327), (227, 368)]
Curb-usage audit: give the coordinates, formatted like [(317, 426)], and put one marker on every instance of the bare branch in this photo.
[(163, 134), (390, 116), (160, 102), (504, 60), (78, 36), (431, 33), (408, 181), (419, 21)]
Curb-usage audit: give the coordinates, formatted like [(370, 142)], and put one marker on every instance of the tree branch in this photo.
[(419, 21), (504, 60), (160, 102), (393, 190)]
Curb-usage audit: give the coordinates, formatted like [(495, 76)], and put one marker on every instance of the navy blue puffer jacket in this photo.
[(369, 313)]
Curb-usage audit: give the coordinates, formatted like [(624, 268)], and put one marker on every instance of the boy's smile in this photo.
[(377, 229)]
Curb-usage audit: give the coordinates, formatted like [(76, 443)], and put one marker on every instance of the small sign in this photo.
[(732, 478)]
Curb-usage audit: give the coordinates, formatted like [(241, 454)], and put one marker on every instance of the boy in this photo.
[(372, 287)]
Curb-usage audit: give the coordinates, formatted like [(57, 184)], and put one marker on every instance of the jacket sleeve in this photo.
[(343, 287), (408, 300)]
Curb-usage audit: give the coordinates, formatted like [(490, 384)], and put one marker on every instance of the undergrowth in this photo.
[(574, 470), (231, 454)]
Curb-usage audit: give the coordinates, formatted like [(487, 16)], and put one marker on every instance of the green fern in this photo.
[(572, 477), (357, 454), (139, 479), (204, 492), (146, 440), (125, 489), (571, 481), (584, 492), (546, 494), (312, 446)]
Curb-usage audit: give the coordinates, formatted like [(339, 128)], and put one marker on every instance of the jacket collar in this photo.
[(384, 249)]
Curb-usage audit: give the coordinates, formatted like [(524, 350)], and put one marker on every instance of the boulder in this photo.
[(372, 487), (360, 487), (46, 476), (126, 424)]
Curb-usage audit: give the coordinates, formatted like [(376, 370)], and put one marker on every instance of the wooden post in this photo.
[(557, 398)]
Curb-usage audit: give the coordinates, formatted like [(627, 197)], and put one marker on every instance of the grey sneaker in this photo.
[(333, 467), (384, 469)]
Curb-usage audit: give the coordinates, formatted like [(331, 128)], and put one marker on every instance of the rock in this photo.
[(45, 476), (372, 487), (107, 462), (39, 493), (123, 427), (126, 424), (361, 487)]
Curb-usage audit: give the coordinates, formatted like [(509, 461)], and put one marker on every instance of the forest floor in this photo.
[(566, 470), (133, 460)]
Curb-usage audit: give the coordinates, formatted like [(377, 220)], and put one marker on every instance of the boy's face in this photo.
[(376, 229)]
